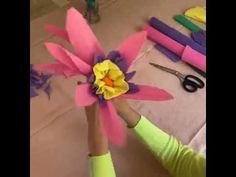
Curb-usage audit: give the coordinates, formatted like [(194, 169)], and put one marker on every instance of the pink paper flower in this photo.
[(107, 75)]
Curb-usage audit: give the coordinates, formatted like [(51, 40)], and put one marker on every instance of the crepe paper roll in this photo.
[(176, 35), (167, 53), (187, 23), (199, 37), (191, 56), (198, 34), (197, 13), (194, 58), (164, 40), (176, 58)]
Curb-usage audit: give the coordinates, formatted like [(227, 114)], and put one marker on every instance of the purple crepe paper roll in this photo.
[(167, 53), (199, 37), (176, 35)]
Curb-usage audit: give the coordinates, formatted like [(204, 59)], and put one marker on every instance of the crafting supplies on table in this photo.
[(177, 46), (176, 35), (186, 53), (197, 13), (198, 34)]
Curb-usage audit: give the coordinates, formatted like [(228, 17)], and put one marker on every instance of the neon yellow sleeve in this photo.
[(178, 159), (102, 166)]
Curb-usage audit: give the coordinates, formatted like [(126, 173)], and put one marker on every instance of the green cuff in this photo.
[(102, 166)]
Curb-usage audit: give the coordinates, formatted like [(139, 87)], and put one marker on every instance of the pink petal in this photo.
[(69, 73), (131, 46), (61, 33), (58, 53), (56, 68), (111, 124), (81, 36), (83, 95), (80, 64), (148, 93)]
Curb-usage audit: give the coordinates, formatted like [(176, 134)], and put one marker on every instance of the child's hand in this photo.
[(97, 140)]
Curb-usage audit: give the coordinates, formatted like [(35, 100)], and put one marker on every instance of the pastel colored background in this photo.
[(58, 128)]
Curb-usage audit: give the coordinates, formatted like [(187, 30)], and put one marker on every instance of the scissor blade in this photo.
[(164, 68)]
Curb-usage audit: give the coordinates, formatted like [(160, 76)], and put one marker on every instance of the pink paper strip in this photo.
[(61, 33), (83, 95), (132, 45), (80, 64), (148, 93), (56, 68), (82, 37), (194, 58), (59, 54), (112, 124)]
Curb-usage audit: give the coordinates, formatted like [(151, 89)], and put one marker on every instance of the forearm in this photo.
[(177, 158), (101, 164), (180, 160), (129, 115), (97, 140)]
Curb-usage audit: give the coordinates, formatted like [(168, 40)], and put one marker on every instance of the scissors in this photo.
[(190, 83)]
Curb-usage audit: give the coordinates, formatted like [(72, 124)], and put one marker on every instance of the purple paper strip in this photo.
[(39, 81), (176, 35), (91, 78), (168, 53), (112, 55), (133, 88), (32, 92), (48, 90), (98, 59), (130, 75)]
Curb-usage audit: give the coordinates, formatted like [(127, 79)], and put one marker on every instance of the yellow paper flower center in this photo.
[(109, 80)]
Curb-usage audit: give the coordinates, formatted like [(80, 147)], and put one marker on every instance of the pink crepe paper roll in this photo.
[(188, 54), (164, 40), (195, 58)]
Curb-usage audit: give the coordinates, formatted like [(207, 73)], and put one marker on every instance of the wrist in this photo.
[(130, 116)]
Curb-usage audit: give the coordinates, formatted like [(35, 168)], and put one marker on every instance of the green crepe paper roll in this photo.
[(187, 23)]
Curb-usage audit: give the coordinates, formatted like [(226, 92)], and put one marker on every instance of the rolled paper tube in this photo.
[(194, 58), (176, 58), (191, 56), (199, 37), (164, 40), (187, 23), (198, 34), (176, 35)]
